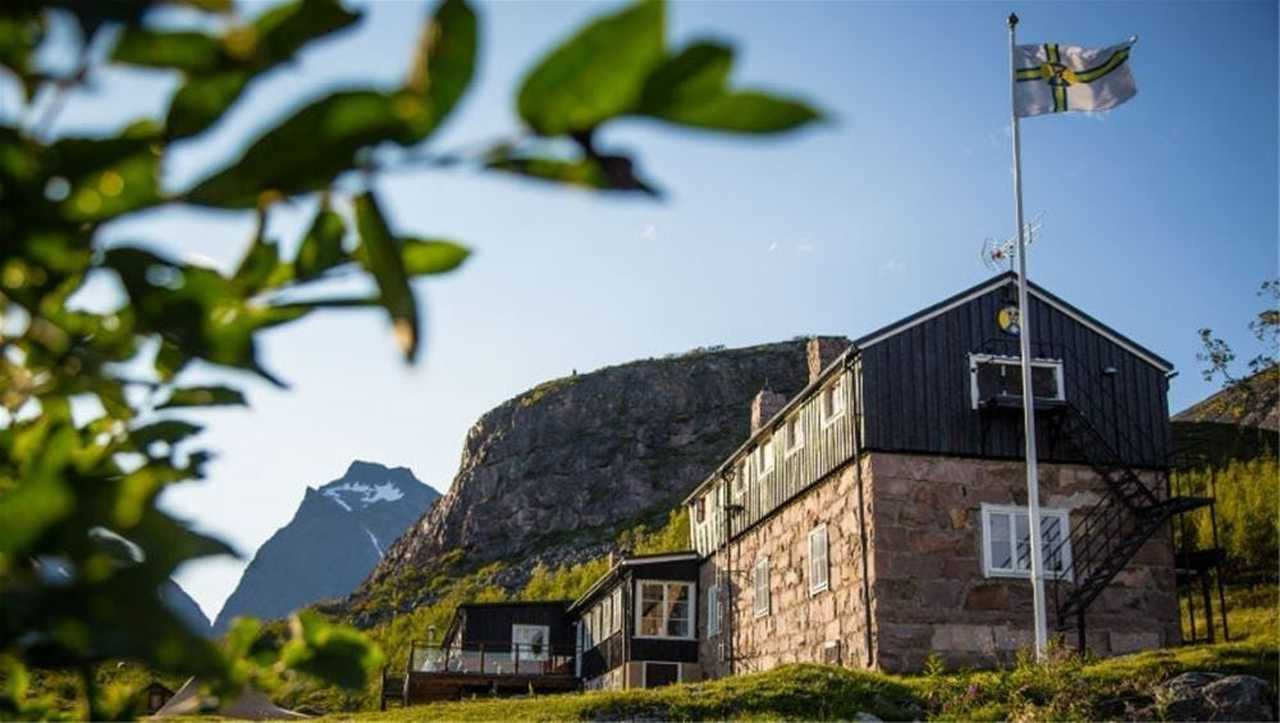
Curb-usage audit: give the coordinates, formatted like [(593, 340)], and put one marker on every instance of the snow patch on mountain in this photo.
[(349, 493)]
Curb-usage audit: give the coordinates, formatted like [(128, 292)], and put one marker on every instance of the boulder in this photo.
[(1198, 696)]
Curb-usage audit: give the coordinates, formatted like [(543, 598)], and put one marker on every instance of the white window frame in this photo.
[(759, 574), (527, 656), (793, 434), (765, 450), (975, 359), (618, 613), (713, 611), (743, 476), (816, 586), (1012, 511), (827, 399), (692, 597)]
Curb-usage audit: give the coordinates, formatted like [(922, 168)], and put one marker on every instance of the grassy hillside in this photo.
[(1067, 688)]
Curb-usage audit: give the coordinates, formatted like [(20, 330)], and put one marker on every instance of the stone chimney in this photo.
[(822, 351), (764, 405)]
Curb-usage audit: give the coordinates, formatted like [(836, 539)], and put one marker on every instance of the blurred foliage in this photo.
[(1244, 493), (83, 546)]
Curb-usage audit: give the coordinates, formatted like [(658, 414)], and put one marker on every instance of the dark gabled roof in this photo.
[(1034, 289), (613, 573), (516, 604), (907, 322)]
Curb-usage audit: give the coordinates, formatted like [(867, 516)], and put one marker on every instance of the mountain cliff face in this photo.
[(541, 471), (187, 609), (334, 540)]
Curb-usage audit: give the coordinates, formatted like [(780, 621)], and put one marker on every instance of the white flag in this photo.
[(1054, 78)]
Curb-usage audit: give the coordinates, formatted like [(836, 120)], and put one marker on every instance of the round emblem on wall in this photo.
[(1008, 320)]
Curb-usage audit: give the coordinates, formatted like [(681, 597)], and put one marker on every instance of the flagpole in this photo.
[(1024, 338)]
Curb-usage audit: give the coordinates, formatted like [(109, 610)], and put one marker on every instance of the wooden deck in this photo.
[(444, 686)]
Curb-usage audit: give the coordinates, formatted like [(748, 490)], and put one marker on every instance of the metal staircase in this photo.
[(1130, 512)]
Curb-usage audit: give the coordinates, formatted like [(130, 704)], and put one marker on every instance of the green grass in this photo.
[(1068, 687)]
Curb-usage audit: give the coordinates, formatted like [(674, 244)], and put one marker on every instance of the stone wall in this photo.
[(930, 593), (799, 626)]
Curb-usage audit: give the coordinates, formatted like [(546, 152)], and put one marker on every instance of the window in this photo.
[(606, 626), (740, 479), (700, 509), (665, 610), (818, 567), (760, 586), (764, 453), (617, 610), (994, 377), (795, 434), (833, 402), (1006, 542), (713, 611), (657, 675), (529, 642)]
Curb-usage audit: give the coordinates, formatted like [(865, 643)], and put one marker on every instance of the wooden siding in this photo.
[(826, 446), (491, 624), (917, 391)]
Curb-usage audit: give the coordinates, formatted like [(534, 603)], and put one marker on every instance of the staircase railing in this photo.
[(1103, 541)]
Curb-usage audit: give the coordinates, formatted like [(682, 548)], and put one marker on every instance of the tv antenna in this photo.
[(995, 254)]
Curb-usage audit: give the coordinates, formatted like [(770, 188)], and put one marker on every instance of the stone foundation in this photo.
[(800, 627), (928, 591)]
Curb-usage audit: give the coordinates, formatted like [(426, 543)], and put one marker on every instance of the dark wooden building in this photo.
[(502, 648), (637, 625)]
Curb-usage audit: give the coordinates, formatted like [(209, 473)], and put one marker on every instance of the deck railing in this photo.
[(495, 658)]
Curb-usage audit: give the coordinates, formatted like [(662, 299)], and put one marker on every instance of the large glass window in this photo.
[(1006, 547), (530, 642), (996, 377), (666, 609)]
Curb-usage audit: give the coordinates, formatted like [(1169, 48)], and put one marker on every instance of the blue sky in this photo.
[(1160, 217)]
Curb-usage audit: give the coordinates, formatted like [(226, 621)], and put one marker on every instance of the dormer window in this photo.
[(997, 380)]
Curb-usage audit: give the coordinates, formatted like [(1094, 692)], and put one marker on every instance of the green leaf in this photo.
[(695, 74), (321, 248), (605, 173), (41, 499), (169, 431), (190, 52), (217, 75), (283, 30), (380, 253), (108, 176), (334, 653), (597, 74), (444, 62), (432, 256), (213, 396), (202, 100), (741, 112), (259, 266), (285, 159)]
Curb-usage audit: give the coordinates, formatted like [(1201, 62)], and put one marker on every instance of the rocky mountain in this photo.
[(337, 536), (1251, 402), (541, 472), (187, 609)]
